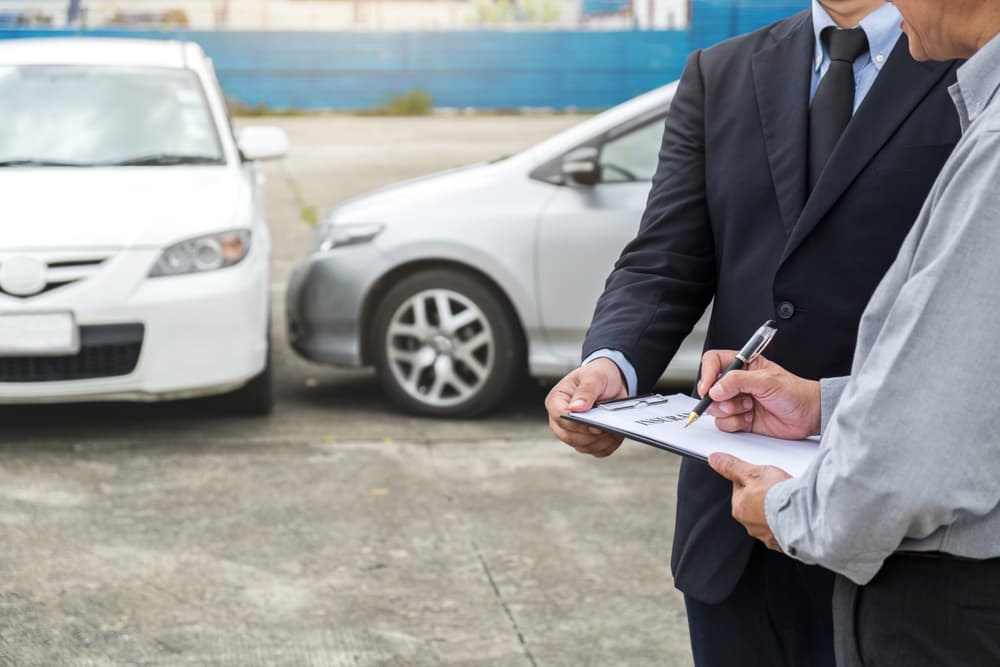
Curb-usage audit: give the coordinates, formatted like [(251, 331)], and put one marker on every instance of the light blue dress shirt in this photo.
[(882, 27)]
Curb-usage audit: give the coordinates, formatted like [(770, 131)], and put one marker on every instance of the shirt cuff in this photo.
[(778, 498), (789, 507), (627, 369), (830, 390)]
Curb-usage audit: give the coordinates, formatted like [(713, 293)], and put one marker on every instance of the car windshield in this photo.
[(104, 116)]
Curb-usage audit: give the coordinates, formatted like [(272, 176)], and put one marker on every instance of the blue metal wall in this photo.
[(478, 69), (715, 20), (474, 69), (591, 7)]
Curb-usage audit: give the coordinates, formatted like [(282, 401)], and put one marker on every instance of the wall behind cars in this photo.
[(480, 69), (715, 20)]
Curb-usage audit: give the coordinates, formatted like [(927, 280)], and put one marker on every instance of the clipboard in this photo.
[(658, 421)]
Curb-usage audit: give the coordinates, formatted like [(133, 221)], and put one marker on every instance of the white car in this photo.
[(134, 256), (454, 285)]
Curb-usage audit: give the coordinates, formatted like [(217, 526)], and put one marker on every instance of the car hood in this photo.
[(386, 204), (117, 208)]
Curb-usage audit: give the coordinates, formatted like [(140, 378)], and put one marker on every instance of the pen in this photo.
[(753, 348)]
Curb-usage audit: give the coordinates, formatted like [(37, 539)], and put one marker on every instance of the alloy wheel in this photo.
[(440, 347)]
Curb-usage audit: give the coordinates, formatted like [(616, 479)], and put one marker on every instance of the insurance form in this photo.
[(659, 421)]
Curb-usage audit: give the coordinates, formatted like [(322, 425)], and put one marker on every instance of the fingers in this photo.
[(736, 424), (603, 447), (577, 392), (732, 468), (712, 364), (738, 406), (735, 413), (584, 439), (734, 384), (576, 435)]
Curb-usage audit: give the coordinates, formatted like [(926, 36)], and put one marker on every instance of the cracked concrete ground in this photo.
[(334, 532)]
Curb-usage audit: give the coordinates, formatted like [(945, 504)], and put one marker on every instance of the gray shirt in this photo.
[(910, 454)]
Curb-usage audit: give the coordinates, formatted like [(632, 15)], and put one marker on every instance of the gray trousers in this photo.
[(931, 610)]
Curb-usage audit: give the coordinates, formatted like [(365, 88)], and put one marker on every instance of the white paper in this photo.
[(662, 419)]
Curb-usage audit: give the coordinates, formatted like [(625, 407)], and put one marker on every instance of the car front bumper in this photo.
[(197, 334), (324, 302)]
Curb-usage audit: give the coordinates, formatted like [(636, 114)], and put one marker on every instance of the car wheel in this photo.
[(445, 344), (256, 397)]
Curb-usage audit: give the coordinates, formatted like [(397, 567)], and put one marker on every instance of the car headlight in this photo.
[(338, 235), (205, 253)]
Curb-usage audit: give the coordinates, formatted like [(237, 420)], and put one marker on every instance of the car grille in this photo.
[(105, 351), (64, 269)]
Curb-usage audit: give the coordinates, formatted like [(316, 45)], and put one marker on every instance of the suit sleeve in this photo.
[(665, 277)]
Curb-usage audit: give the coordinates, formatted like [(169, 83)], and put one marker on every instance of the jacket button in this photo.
[(786, 309)]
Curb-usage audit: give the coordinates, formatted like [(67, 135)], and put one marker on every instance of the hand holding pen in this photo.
[(751, 350), (764, 398)]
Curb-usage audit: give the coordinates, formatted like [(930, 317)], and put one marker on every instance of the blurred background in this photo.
[(481, 54)]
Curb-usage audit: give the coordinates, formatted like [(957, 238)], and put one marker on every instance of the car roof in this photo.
[(97, 51)]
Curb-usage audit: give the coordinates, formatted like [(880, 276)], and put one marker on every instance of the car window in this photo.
[(102, 115), (632, 156)]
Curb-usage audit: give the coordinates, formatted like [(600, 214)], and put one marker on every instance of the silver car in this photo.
[(455, 285)]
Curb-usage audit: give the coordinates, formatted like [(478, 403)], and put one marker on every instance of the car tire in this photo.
[(446, 344), (256, 397)]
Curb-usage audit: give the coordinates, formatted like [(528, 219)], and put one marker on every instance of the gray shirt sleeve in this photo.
[(830, 391), (913, 447)]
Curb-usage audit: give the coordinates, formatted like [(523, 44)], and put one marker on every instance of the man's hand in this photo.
[(600, 380), (764, 398), (750, 484)]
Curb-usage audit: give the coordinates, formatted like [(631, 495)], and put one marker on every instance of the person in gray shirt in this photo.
[(903, 500)]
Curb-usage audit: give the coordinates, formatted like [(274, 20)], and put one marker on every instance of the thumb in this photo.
[(585, 395), (730, 467)]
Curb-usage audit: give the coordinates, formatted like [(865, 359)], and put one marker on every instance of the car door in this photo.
[(583, 229)]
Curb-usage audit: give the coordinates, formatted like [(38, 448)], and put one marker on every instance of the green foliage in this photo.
[(242, 109), (309, 215), (518, 11), (411, 103), (307, 212)]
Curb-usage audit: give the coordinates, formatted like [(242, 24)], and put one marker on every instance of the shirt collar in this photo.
[(881, 27), (978, 81)]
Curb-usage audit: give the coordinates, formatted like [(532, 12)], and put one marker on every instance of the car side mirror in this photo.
[(581, 166), (262, 143)]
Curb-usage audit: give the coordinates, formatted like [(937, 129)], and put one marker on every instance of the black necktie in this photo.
[(833, 104)]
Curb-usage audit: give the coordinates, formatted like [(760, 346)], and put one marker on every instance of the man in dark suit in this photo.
[(794, 161)]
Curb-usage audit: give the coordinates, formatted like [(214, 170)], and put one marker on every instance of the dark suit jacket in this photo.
[(729, 217)]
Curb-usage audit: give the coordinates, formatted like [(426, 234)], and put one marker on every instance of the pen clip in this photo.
[(629, 403)]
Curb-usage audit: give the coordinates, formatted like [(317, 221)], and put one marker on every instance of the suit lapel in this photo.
[(781, 75), (899, 88)]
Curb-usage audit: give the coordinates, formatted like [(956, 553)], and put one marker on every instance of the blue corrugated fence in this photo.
[(465, 69), (479, 69), (715, 20)]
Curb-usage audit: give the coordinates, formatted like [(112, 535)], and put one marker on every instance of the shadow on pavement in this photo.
[(302, 404)]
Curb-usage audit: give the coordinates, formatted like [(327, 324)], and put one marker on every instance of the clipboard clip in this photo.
[(630, 403)]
